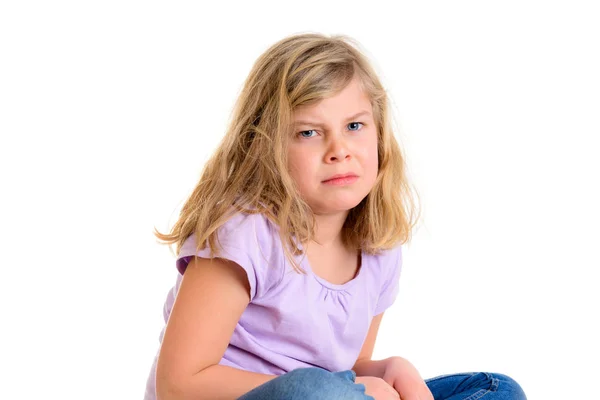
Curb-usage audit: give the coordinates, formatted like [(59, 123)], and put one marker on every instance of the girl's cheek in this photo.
[(366, 147)]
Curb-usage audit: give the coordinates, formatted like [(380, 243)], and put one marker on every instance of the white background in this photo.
[(108, 111)]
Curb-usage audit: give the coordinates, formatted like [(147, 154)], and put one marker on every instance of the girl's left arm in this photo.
[(396, 371), (364, 366)]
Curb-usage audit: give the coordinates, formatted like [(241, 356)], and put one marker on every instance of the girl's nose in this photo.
[(337, 151)]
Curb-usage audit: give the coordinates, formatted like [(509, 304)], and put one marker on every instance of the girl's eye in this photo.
[(302, 134), (352, 123)]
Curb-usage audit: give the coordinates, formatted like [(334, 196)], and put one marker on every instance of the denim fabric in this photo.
[(310, 384), (319, 384), (475, 385)]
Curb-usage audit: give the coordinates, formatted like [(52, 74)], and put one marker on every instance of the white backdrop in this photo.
[(108, 111)]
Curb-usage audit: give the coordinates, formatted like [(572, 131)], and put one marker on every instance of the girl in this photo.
[(289, 248)]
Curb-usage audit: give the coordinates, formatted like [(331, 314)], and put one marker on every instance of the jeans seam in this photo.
[(494, 383), (478, 394), (447, 375)]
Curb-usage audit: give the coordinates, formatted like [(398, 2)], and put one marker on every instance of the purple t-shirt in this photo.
[(293, 320)]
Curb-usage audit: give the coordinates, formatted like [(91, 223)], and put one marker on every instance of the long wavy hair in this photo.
[(248, 171)]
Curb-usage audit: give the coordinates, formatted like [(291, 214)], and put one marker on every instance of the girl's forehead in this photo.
[(349, 96), (345, 108)]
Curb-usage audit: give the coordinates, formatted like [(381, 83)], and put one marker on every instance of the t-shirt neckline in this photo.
[(333, 286)]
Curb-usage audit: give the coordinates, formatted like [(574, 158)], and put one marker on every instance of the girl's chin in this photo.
[(334, 207)]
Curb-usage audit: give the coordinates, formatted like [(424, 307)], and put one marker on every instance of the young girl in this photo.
[(289, 248)]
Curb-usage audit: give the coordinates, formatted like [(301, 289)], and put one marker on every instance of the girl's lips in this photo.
[(336, 176), (345, 180)]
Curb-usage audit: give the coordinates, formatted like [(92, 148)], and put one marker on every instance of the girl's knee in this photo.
[(308, 373), (509, 385), (317, 383), (311, 377)]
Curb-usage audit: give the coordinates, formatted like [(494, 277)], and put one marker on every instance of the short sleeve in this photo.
[(391, 281), (250, 241)]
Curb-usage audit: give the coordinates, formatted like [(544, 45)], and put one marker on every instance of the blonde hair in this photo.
[(248, 171)]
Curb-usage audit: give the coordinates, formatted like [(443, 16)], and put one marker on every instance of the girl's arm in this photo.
[(397, 372), (364, 366), (217, 382), (211, 299)]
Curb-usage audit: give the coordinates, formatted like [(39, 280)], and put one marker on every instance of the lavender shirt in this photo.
[(293, 320)]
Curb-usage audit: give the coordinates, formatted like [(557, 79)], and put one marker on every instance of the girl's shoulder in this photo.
[(389, 271), (249, 239), (242, 230), (249, 231), (388, 258)]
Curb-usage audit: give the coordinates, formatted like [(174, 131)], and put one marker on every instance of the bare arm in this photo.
[(396, 372), (211, 299), (364, 366), (217, 382)]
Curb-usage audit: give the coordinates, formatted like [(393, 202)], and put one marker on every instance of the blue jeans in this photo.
[(319, 384)]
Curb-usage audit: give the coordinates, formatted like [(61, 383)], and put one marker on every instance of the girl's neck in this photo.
[(328, 230)]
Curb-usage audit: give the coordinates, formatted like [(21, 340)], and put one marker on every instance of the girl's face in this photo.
[(336, 136)]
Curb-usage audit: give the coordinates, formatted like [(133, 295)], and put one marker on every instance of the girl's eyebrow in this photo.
[(364, 112)]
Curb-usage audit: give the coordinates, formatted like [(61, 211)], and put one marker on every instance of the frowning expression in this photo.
[(335, 137)]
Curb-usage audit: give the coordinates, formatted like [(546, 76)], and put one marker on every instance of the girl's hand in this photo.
[(377, 387), (404, 378)]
